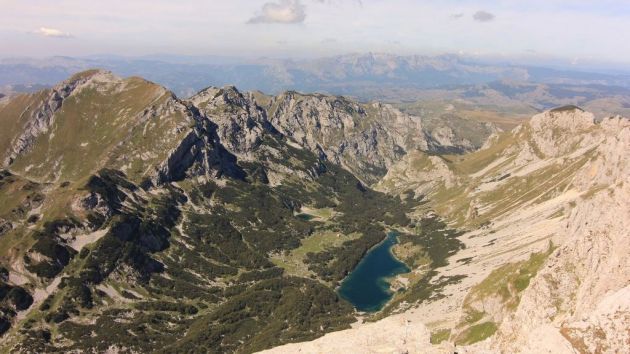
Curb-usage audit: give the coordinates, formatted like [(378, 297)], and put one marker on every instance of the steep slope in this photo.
[(94, 120), (135, 221), (579, 300), (365, 139), (543, 211)]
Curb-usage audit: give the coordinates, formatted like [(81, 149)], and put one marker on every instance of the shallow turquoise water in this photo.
[(366, 287)]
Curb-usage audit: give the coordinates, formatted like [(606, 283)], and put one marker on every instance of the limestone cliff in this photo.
[(580, 299), (545, 267)]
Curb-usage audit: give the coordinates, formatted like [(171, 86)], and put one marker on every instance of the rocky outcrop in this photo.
[(198, 154), (419, 173), (365, 139), (449, 133), (556, 132), (42, 117), (579, 301), (560, 180), (240, 122), (5, 226), (203, 151)]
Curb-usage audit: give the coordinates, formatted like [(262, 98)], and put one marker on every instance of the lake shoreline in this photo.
[(368, 286)]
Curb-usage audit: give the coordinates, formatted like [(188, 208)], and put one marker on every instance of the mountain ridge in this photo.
[(126, 178), (130, 203), (395, 78), (546, 216), (328, 106)]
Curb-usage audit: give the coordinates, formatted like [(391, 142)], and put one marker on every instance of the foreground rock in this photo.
[(395, 334)]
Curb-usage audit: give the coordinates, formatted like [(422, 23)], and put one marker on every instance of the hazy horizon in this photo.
[(581, 33), (562, 64)]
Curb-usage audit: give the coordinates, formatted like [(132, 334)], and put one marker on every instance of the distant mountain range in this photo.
[(364, 76)]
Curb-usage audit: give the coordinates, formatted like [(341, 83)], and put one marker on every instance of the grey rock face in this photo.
[(333, 128), (42, 117), (366, 139), (223, 124), (200, 153), (240, 122)]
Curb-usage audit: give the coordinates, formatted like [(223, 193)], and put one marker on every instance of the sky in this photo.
[(575, 31)]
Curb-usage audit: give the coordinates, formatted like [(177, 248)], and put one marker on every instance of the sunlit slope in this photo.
[(531, 199), (541, 233), (92, 120), (534, 162), (131, 219)]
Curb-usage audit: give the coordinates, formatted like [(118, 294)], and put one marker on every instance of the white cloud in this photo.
[(552, 28), (483, 16), (457, 16), (284, 11), (52, 32)]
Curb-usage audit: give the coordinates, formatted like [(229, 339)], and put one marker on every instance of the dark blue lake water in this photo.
[(366, 287)]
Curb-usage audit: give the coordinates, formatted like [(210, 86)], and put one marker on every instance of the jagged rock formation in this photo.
[(418, 172), (365, 139), (133, 220), (134, 204), (579, 300), (545, 266), (240, 122)]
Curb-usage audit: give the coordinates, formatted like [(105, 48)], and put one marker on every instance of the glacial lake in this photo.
[(367, 286)]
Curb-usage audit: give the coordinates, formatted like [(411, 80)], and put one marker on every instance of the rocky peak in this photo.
[(365, 138), (92, 74), (227, 95), (558, 131), (205, 95), (241, 123), (566, 118), (42, 116)]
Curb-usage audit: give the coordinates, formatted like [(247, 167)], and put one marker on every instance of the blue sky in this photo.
[(575, 31)]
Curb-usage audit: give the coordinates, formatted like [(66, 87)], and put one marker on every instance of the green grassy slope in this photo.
[(180, 266), (91, 123)]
